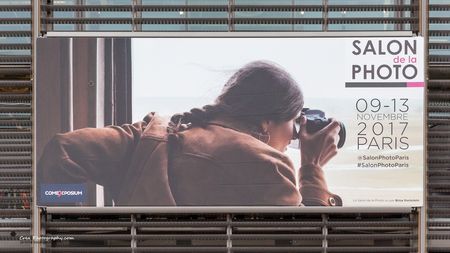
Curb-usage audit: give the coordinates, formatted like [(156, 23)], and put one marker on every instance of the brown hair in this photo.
[(258, 91)]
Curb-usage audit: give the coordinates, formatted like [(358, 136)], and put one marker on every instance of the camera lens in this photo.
[(342, 135), (315, 121)]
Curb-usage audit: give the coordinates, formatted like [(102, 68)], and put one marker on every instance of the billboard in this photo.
[(248, 122)]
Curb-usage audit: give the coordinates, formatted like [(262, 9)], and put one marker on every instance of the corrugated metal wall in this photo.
[(135, 232), (439, 128), (15, 126)]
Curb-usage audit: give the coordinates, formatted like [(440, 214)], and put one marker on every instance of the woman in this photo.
[(228, 153)]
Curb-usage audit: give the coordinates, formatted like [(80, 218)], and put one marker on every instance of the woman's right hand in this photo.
[(318, 148)]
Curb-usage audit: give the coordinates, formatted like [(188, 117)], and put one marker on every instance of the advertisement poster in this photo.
[(255, 122)]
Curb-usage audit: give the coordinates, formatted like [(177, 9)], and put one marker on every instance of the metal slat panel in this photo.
[(137, 11), (439, 7), (15, 34), (15, 21), (15, 8), (443, 199), (16, 249), (246, 8), (235, 249), (439, 71), (15, 213), (15, 179), (438, 146), (439, 20), (439, 45), (442, 84), (181, 20), (439, 212), (436, 59), (439, 32), (15, 46), (434, 95), (14, 70), (438, 236), (435, 249), (279, 229), (373, 249), (15, 58), (372, 8)]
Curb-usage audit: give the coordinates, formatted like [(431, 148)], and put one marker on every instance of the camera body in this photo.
[(316, 120)]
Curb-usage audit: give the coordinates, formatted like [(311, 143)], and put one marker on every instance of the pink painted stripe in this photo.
[(415, 84)]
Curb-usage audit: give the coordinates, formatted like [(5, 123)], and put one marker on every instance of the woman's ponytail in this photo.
[(195, 117)]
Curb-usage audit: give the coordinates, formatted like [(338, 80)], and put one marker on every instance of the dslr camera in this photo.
[(315, 121)]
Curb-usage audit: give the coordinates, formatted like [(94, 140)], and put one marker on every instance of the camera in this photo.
[(315, 121)]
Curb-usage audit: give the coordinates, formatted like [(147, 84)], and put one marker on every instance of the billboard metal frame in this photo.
[(224, 35), (218, 210), (261, 209), (39, 210), (232, 34)]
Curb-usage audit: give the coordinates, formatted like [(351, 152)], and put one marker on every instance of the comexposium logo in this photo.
[(62, 193)]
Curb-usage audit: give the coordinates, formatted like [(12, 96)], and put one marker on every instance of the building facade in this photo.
[(22, 21)]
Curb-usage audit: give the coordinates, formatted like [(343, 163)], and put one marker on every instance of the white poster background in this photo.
[(173, 75)]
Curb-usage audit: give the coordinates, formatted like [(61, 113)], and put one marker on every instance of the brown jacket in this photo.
[(213, 165)]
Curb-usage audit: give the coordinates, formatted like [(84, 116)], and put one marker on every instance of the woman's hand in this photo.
[(318, 148)]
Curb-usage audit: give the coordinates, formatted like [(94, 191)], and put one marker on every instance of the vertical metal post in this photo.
[(79, 15), (422, 229), (325, 15), (186, 15), (324, 232), (136, 26), (229, 233), (133, 16), (416, 13), (133, 233), (423, 212), (35, 215), (230, 15), (49, 27), (398, 14), (423, 17), (293, 14), (415, 216), (44, 217)]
